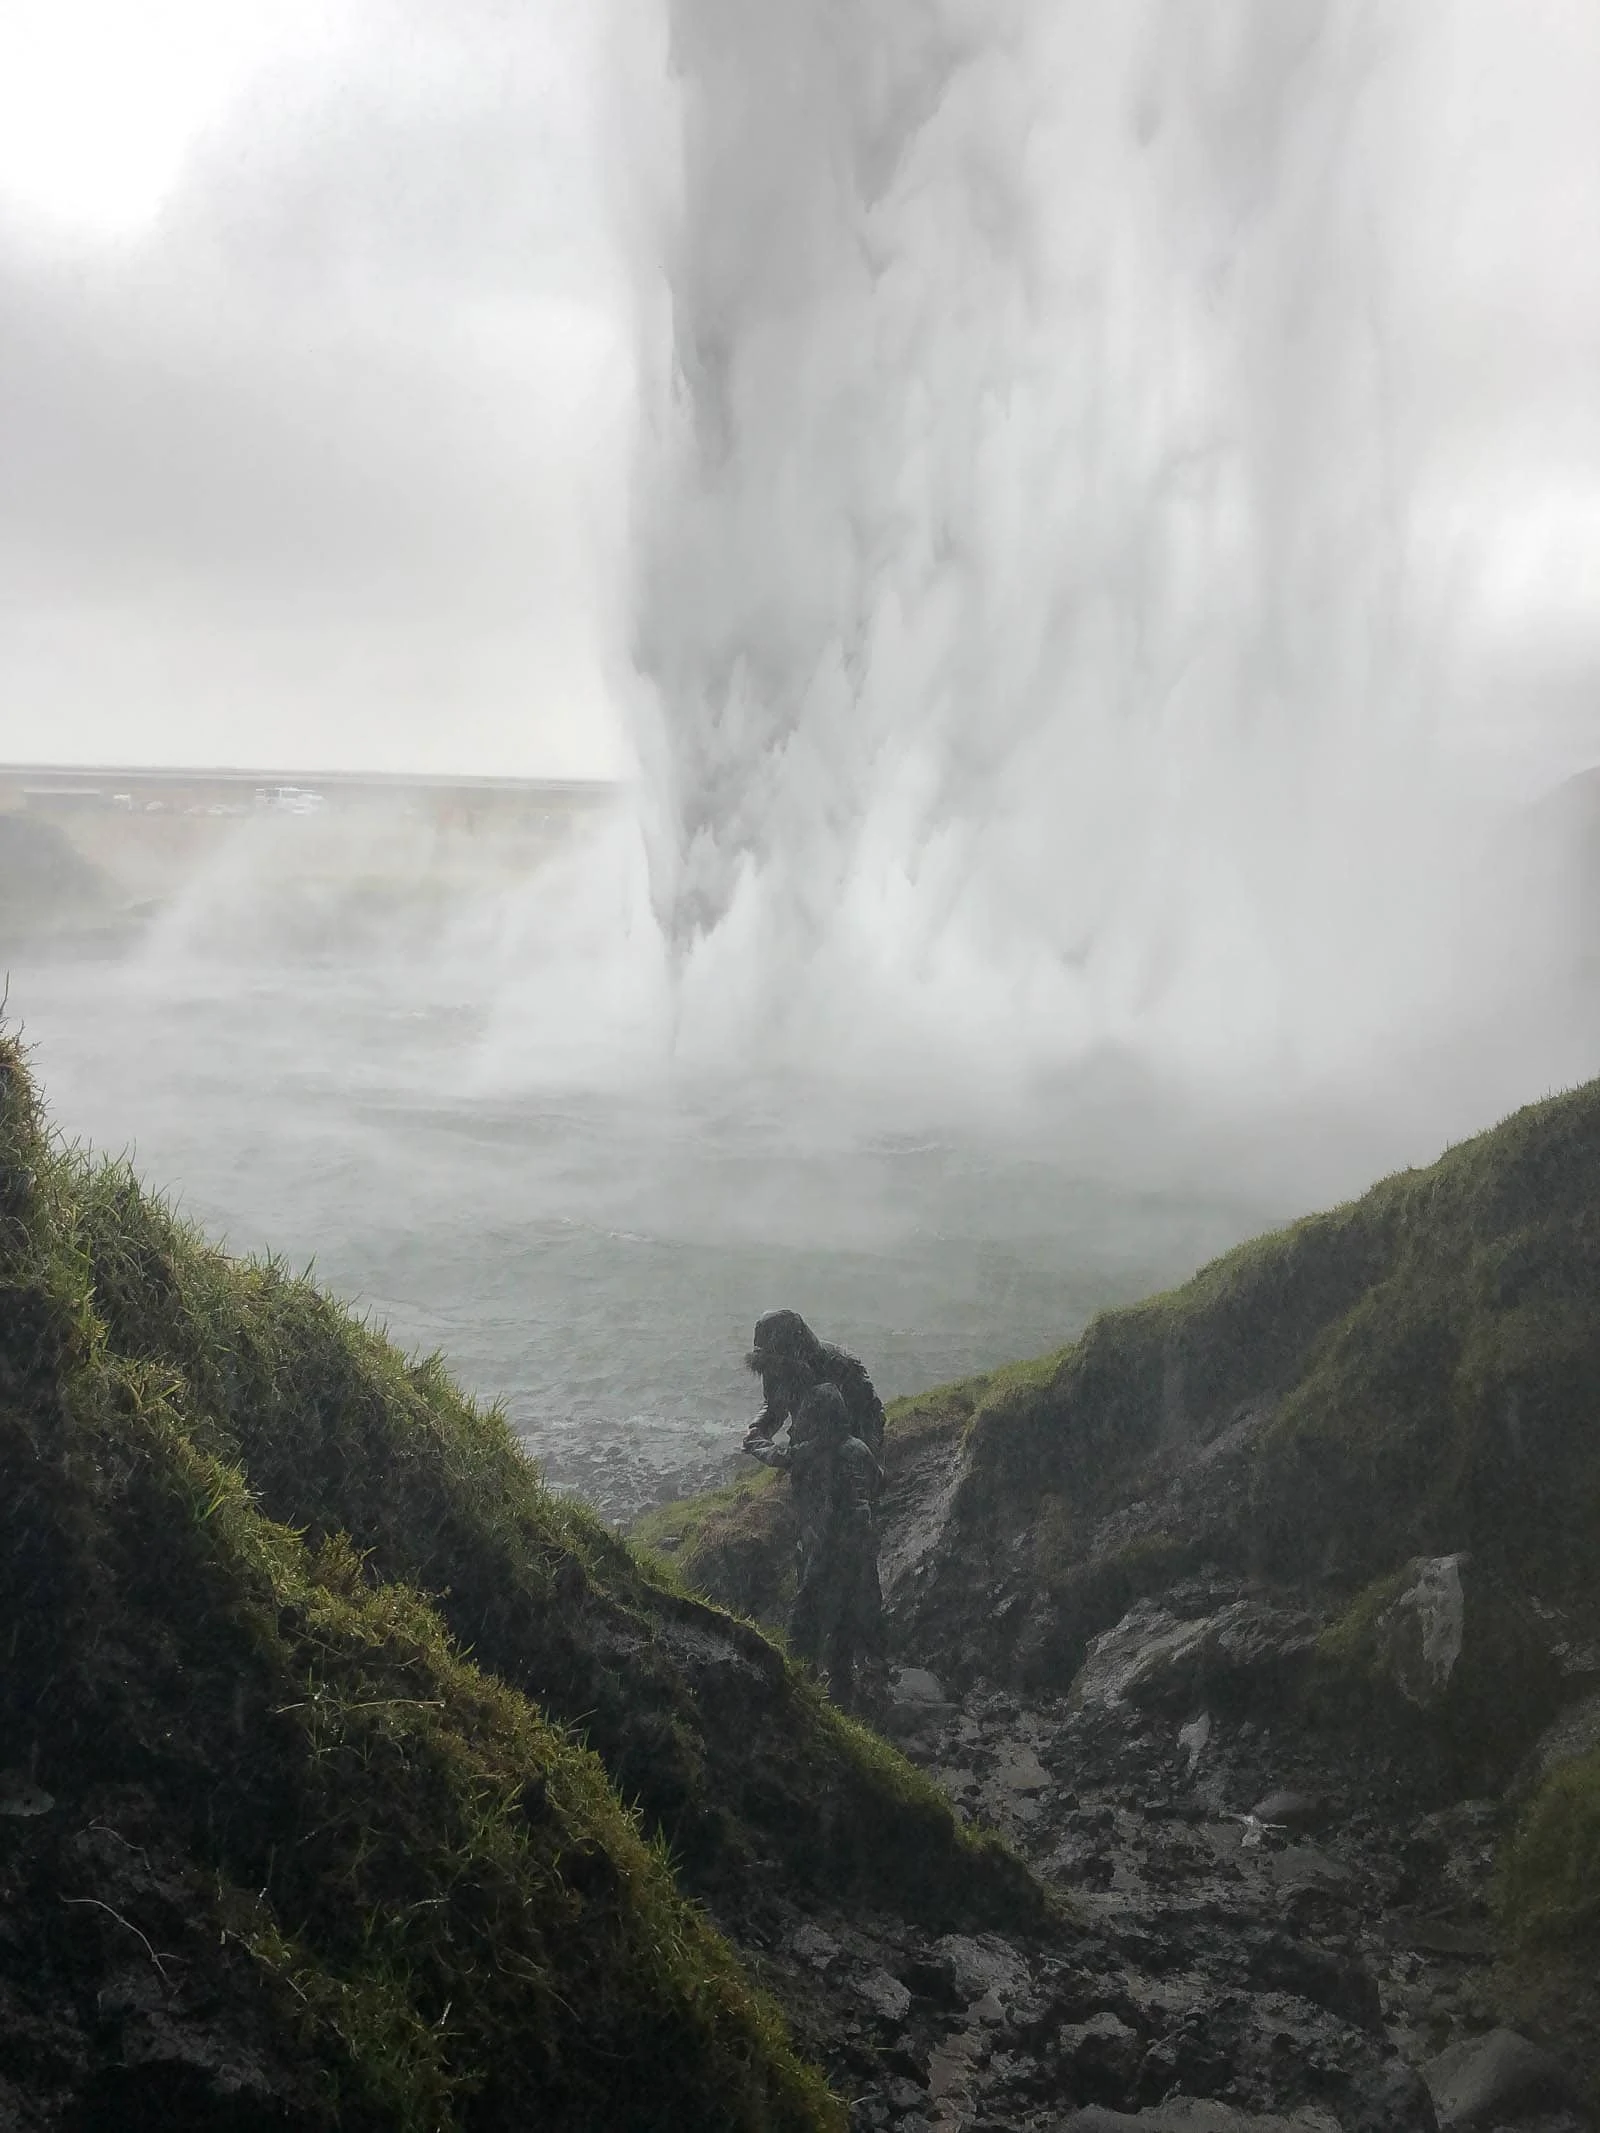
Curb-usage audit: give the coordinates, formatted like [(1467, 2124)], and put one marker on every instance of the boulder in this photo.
[(885, 1995), (1339, 1984), (1448, 1661), (1292, 1810), (981, 1966), (1101, 2057), (1158, 1661), (1494, 2079), (914, 1684), (917, 1702)]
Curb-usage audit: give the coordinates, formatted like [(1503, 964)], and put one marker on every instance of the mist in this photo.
[(1117, 537), (1068, 533)]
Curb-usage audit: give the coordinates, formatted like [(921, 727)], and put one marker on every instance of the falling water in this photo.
[(1117, 539)]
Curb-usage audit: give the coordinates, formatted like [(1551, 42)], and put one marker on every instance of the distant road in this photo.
[(145, 831), (454, 802)]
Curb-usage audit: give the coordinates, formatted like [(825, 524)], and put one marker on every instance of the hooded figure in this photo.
[(838, 1604), (790, 1360)]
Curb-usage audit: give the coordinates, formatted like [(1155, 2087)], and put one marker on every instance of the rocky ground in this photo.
[(1261, 1927)]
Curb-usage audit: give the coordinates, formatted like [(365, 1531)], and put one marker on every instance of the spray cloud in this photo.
[(1095, 528)]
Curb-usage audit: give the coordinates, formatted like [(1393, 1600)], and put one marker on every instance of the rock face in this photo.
[(1420, 1634), (1450, 1663), (1496, 2079), (1159, 1661), (1229, 1971)]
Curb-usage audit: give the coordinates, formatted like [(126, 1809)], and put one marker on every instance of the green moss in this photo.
[(1423, 1366), (1549, 1884), (448, 1904), (428, 1735), (340, 1433), (1347, 1649), (734, 1544)]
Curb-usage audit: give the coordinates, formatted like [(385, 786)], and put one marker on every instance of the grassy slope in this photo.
[(247, 1551), (1430, 1355), (1426, 1366)]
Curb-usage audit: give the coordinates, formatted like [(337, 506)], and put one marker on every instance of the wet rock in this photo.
[(1100, 2058), (1339, 1984), (1182, 2114), (914, 1684), (1157, 1661), (982, 1966), (885, 1995), (1292, 1810), (1494, 2080), (813, 1946), (1452, 1667)]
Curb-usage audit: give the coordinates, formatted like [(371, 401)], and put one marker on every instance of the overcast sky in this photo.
[(315, 385), (320, 345)]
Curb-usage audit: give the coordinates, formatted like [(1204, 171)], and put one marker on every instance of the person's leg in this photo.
[(807, 1621)]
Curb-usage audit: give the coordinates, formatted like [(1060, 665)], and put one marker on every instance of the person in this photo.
[(838, 1605), (790, 1360)]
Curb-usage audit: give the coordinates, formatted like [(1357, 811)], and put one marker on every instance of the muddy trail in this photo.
[(1255, 1930)]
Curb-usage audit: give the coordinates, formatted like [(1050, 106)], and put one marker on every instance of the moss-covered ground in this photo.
[(1415, 1373), (1549, 1905), (1426, 1359), (377, 1781), (1419, 1372)]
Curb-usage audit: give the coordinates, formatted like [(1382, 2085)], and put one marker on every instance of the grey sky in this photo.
[(315, 387), (319, 351)]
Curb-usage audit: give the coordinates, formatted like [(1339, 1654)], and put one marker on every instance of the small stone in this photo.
[(813, 1946), (1196, 1738), (914, 1684), (885, 1995), (1020, 1770), (18, 1797), (1303, 1866), (1291, 1810), (980, 1966)]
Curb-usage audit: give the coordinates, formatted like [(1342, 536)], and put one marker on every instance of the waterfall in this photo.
[(1116, 532)]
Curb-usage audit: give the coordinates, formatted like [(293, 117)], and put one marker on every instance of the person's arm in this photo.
[(776, 1455), (774, 1409)]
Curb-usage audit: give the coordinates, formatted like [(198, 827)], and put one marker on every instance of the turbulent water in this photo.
[(1118, 518), (443, 1067), (593, 1259)]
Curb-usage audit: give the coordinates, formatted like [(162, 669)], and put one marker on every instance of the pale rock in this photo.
[(813, 1946), (885, 1995), (1492, 2077), (980, 1966)]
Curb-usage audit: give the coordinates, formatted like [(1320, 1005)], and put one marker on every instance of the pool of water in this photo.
[(593, 1258)]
